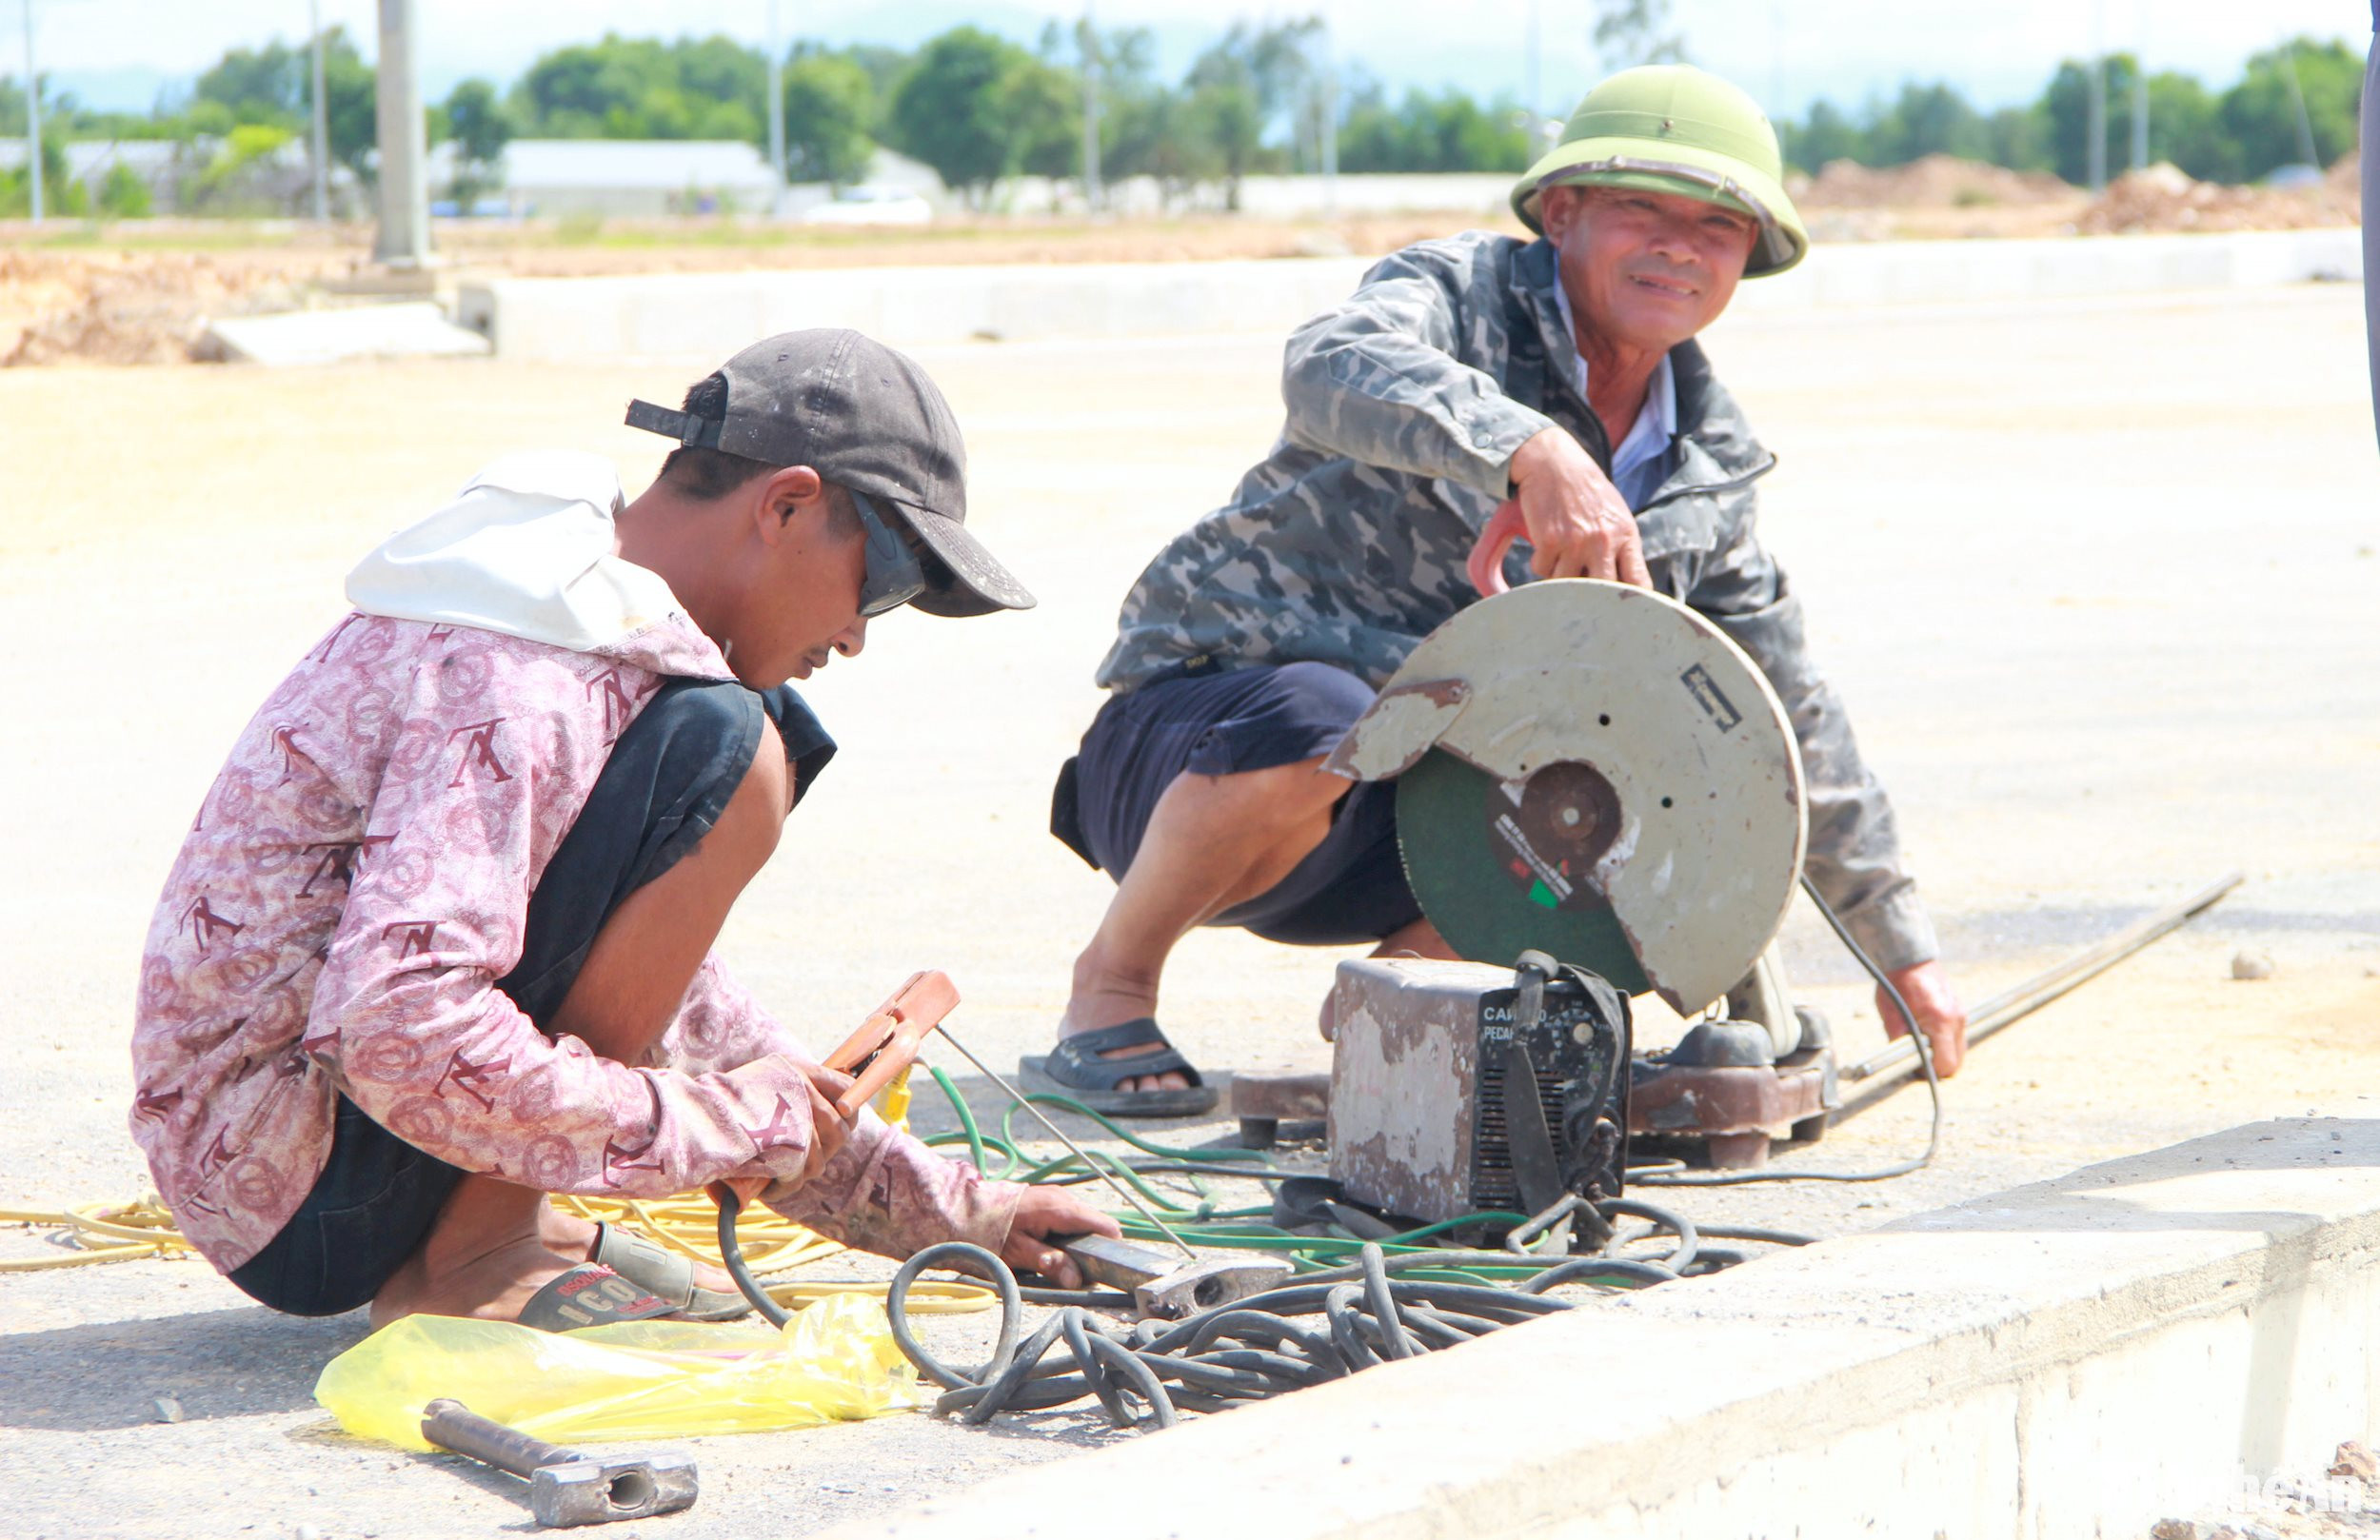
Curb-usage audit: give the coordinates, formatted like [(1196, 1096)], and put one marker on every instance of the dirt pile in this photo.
[(2165, 199), (98, 306), (1930, 182)]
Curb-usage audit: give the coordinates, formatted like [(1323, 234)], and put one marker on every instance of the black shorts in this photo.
[(665, 785), (1220, 721)]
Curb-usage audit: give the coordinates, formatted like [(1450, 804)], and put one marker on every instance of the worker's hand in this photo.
[(827, 1129), (1927, 988), (1578, 523), (1044, 1212)]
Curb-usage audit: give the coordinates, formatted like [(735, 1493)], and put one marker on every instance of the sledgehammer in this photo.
[(566, 1487)]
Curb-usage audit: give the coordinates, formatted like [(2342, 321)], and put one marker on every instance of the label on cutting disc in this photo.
[(1548, 830)]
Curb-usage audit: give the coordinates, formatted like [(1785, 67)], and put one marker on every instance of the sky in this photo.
[(120, 53)]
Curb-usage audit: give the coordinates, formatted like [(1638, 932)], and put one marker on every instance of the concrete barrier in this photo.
[(2147, 1338), (709, 315)]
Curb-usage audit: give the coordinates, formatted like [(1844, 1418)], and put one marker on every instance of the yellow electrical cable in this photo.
[(687, 1223)]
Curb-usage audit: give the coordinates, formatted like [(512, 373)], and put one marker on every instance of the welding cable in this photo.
[(1767, 1236), (1671, 1175), (1247, 1351)]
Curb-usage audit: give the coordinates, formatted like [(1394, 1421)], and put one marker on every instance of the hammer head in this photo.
[(1196, 1286), (598, 1491)]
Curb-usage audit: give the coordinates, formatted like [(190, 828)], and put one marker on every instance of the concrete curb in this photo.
[(710, 315), (2144, 1338)]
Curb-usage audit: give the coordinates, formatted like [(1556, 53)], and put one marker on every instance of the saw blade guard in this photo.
[(1592, 770)]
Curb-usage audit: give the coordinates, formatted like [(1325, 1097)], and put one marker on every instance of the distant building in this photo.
[(627, 178)]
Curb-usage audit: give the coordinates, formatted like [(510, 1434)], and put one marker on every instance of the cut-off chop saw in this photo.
[(1598, 796), (1594, 774)]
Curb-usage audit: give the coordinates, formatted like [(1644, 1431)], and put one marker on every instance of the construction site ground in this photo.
[(143, 291), (2097, 580)]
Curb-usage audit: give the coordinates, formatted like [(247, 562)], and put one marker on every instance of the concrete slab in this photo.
[(672, 315), (2083, 1356), (341, 336)]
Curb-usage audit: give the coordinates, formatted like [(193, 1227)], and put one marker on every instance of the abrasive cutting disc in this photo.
[(1593, 771)]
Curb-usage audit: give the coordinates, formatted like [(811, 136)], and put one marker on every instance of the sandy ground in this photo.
[(2097, 581)]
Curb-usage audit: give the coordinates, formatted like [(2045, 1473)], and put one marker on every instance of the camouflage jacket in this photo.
[(1346, 545)]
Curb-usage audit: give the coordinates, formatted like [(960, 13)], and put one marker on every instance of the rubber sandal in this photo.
[(590, 1295), (666, 1274), (1074, 1068)]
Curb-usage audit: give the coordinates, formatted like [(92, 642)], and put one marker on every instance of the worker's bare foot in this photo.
[(492, 1284), (1104, 998)]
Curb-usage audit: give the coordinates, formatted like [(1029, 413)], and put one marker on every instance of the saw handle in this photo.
[(1486, 565), (887, 1041)]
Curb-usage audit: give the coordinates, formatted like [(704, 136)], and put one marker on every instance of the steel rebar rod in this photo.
[(1888, 1065)]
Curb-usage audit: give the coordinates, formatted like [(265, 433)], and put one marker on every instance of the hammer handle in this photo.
[(452, 1425)]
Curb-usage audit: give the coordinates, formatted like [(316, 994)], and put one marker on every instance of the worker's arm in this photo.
[(1382, 378), (1387, 378), (883, 1191), (1854, 859)]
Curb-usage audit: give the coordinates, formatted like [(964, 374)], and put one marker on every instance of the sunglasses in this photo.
[(895, 575)]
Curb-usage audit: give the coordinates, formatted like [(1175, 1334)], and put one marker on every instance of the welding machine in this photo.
[(1458, 1088)]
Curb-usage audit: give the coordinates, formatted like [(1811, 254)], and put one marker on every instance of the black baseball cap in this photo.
[(866, 418)]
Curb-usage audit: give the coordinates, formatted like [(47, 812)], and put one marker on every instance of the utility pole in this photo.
[(2095, 157), (2140, 112), (32, 111), (1532, 76), (1089, 40), (776, 111), (403, 239), (2297, 97), (322, 120), (1329, 128)]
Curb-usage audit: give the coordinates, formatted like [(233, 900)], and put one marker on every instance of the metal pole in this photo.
[(1329, 128), (1533, 75), (2011, 1006), (1090, 50), (322, 119), (776, 111), (32, 111), (2096, 159), (403, 239), (2140, 111), (2297, 96)]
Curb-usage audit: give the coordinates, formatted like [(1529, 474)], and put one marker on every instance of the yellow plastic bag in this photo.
[(834, 1362)]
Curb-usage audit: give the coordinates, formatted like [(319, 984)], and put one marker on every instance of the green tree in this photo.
[(61, 197), (620, 88), (978, 108), (1448, 131), (474, 117), (1927, 120), (2066, 103), (2261, 113), (122, 194), (1630, 33), (1827, 134), (2018, 137), (830, 107)]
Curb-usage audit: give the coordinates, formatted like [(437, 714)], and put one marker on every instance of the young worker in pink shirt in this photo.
[(438, 944)]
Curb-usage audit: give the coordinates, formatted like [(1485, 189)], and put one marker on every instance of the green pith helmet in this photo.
[(1671, 128)]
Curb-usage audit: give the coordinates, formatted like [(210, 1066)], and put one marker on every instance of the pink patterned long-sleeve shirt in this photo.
[(353, 887)]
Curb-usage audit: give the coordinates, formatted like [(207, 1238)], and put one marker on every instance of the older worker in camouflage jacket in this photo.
[(1561, 373)]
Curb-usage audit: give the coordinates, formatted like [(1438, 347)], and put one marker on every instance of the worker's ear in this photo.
[(781, 497), (1558, 209)]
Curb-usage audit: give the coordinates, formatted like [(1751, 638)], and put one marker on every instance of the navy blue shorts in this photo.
[(1350, 888), (667, 780)]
